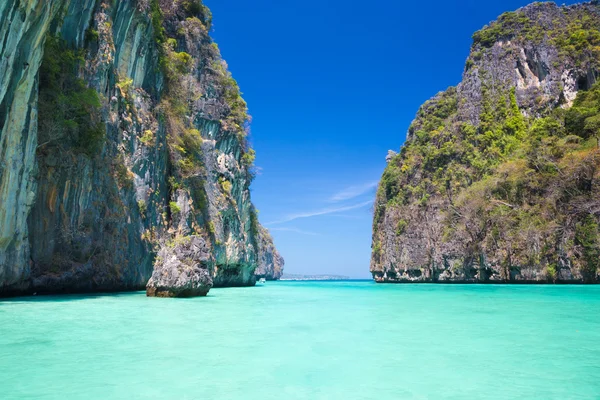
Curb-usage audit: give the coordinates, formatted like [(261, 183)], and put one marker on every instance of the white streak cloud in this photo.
[(295, 230), (325, 211), (353, 192)]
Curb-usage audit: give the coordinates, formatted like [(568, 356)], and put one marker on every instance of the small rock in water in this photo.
[(182, 269)]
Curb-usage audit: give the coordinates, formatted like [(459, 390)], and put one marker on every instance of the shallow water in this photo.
[(305, 340)]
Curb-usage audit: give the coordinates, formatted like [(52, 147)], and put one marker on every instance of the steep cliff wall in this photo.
[(498, 179), (121, 133), (23, 28), (270, 262)]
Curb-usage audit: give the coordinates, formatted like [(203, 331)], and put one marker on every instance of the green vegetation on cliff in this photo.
[(512, 182), (132, 133), (69, 111), (579, 36), (515, 185), (189, 105), (219, 86)]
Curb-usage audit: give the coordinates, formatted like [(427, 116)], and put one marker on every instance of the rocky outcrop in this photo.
[(270, 262), (182, 269), (497, 181), (23, 27), (120, 129)]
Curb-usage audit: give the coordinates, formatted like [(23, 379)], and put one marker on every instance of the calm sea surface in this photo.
[(304, 340)]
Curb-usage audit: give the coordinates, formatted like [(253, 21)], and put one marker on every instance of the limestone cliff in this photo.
[(270, 262), (121, 132), (498, 179)]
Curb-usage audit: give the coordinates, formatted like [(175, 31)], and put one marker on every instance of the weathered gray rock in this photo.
[(75, 222), (20, 22), (182, 269), (390, 155), (270, 262)]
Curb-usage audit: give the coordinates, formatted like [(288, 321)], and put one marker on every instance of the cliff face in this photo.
[(270, 262), (498, 179), (121, 132)]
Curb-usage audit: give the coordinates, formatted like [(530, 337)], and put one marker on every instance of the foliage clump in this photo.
[(226, 185), (69, 111), (147, 138), (249, 157), (583, 118), (195, 8), (506, 27), (143, 207), (174, 208)]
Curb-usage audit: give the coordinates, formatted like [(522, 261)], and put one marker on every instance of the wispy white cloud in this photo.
[(325, 211), (347, 216), (295, 230), (353, 192)]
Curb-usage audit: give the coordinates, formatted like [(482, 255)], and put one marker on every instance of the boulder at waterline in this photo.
[(182, 269)]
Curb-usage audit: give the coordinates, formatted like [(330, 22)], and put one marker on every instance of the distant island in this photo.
[(490, 185), (294, 277)]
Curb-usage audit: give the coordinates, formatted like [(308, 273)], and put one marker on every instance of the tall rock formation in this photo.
[(270, 262), (121, 133), (498, 179)]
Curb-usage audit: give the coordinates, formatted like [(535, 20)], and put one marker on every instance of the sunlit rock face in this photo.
[(145, 146), (182, 269), (497, 182), (270, 262), (20, 22)]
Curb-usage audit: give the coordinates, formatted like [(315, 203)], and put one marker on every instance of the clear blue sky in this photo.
[(332, 85)]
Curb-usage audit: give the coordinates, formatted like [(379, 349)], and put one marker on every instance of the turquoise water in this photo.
[(334, 340)]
